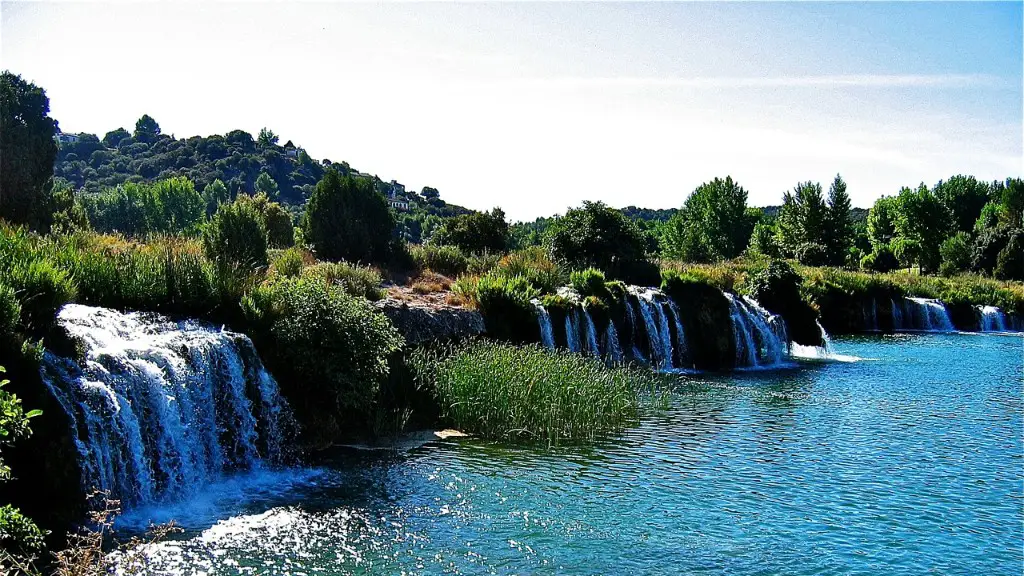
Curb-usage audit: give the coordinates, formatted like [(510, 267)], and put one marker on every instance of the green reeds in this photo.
[(527, 392)]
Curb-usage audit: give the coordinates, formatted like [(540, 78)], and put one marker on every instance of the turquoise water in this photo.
[(908, 461)]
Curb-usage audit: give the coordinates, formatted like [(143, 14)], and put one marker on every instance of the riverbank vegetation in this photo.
[(501, 391)]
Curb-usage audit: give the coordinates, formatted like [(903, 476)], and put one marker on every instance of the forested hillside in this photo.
[(243, 163)]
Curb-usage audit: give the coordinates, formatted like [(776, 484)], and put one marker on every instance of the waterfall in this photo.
[(547, 334), (631, 318), (870, 314), (613, 351), (991, 319), (681, 334), (658, 335), (572, 333), (589, 332), (927, 314), (760, 336), (897, 316), (160, 408)]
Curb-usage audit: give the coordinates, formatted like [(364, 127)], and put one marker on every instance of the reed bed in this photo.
[(502, 391)]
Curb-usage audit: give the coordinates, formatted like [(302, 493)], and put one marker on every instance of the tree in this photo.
[(802, 218), (214, 194), (19, 536), (236, 236), (955, 253), (923, 222), (266, 138), (882, 222), (763, 240), (27, 151), (963, 197), (266, 185), (146, 129), (476, 232), (987, 247), (712, 224), (838, 233), (990, 216), (1010, 262), (346, 219), (113, 138), (597, 236), (1011, 198), (276, 220), (430, 193)]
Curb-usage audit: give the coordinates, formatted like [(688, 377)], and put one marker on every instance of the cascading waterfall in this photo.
[(658, 336), (547, 333), (613, 349), (760, 336), (590, 332), (631, 318), (681, 334), (572, 333), (925, 314), (160, 408), (991, 319)]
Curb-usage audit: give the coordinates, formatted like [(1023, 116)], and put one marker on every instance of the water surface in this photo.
[(908, 461)]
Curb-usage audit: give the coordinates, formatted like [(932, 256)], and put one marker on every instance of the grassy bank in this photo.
[(503, 391)]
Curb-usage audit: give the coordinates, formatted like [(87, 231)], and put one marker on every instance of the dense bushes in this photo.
[(356, 280), (447, 260), (475, 232), (595, 235), (504, 302), (1010, 261), (328, 349), (236, 235), (171, 206), (502, 391), (346, 219)]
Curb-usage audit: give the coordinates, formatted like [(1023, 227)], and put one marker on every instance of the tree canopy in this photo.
[(346, 219), (713, 223), (27, 151)]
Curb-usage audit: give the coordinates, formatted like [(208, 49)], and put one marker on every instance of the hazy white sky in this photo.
[(536, 107)]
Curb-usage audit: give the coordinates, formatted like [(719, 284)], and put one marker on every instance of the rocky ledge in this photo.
[(421, 318)]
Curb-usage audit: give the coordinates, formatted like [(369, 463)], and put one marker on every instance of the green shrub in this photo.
[(289, 262), (474, 232), (447, 260), (42, 288), (363, 281), (599, 236), (589, 282), (811, 254), (482, 262), (328, 349), (535, 265), (10, 311), (504, 302), (502, 391), (236, 235), (19, 536), (881, 260)]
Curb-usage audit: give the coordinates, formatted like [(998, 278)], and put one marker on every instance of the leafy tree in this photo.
[(963, 197), (922, 221), (802, 218), (266, 185), (812, 254), (27, 151), (114, 137), (146, 129), (346, 219), (1011, 198), (955, 253), (597, 236), (838, 234), (430, 193), (1010, 262), (236, 236), (276, 220), (990, 215), (764, 240), (987, 246), (476, 232), (167, 206), (214, 194), (882, 222), (712, 224), (266, 138)]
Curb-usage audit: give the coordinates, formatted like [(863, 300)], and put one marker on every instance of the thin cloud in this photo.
[(821, 81)]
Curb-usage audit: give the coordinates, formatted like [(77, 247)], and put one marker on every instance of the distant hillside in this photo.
[(858, 214), (91, 164)]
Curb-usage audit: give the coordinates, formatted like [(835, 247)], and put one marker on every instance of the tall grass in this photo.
[(356, 280), (527, 392), (446, 260)]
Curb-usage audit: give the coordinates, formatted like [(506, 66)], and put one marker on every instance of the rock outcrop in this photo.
[(425, 320)]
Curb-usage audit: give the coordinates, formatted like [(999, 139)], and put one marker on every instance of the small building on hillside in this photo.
[(400, 205), (63, 138)]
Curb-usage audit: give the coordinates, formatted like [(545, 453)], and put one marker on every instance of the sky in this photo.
[(535, 107)]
